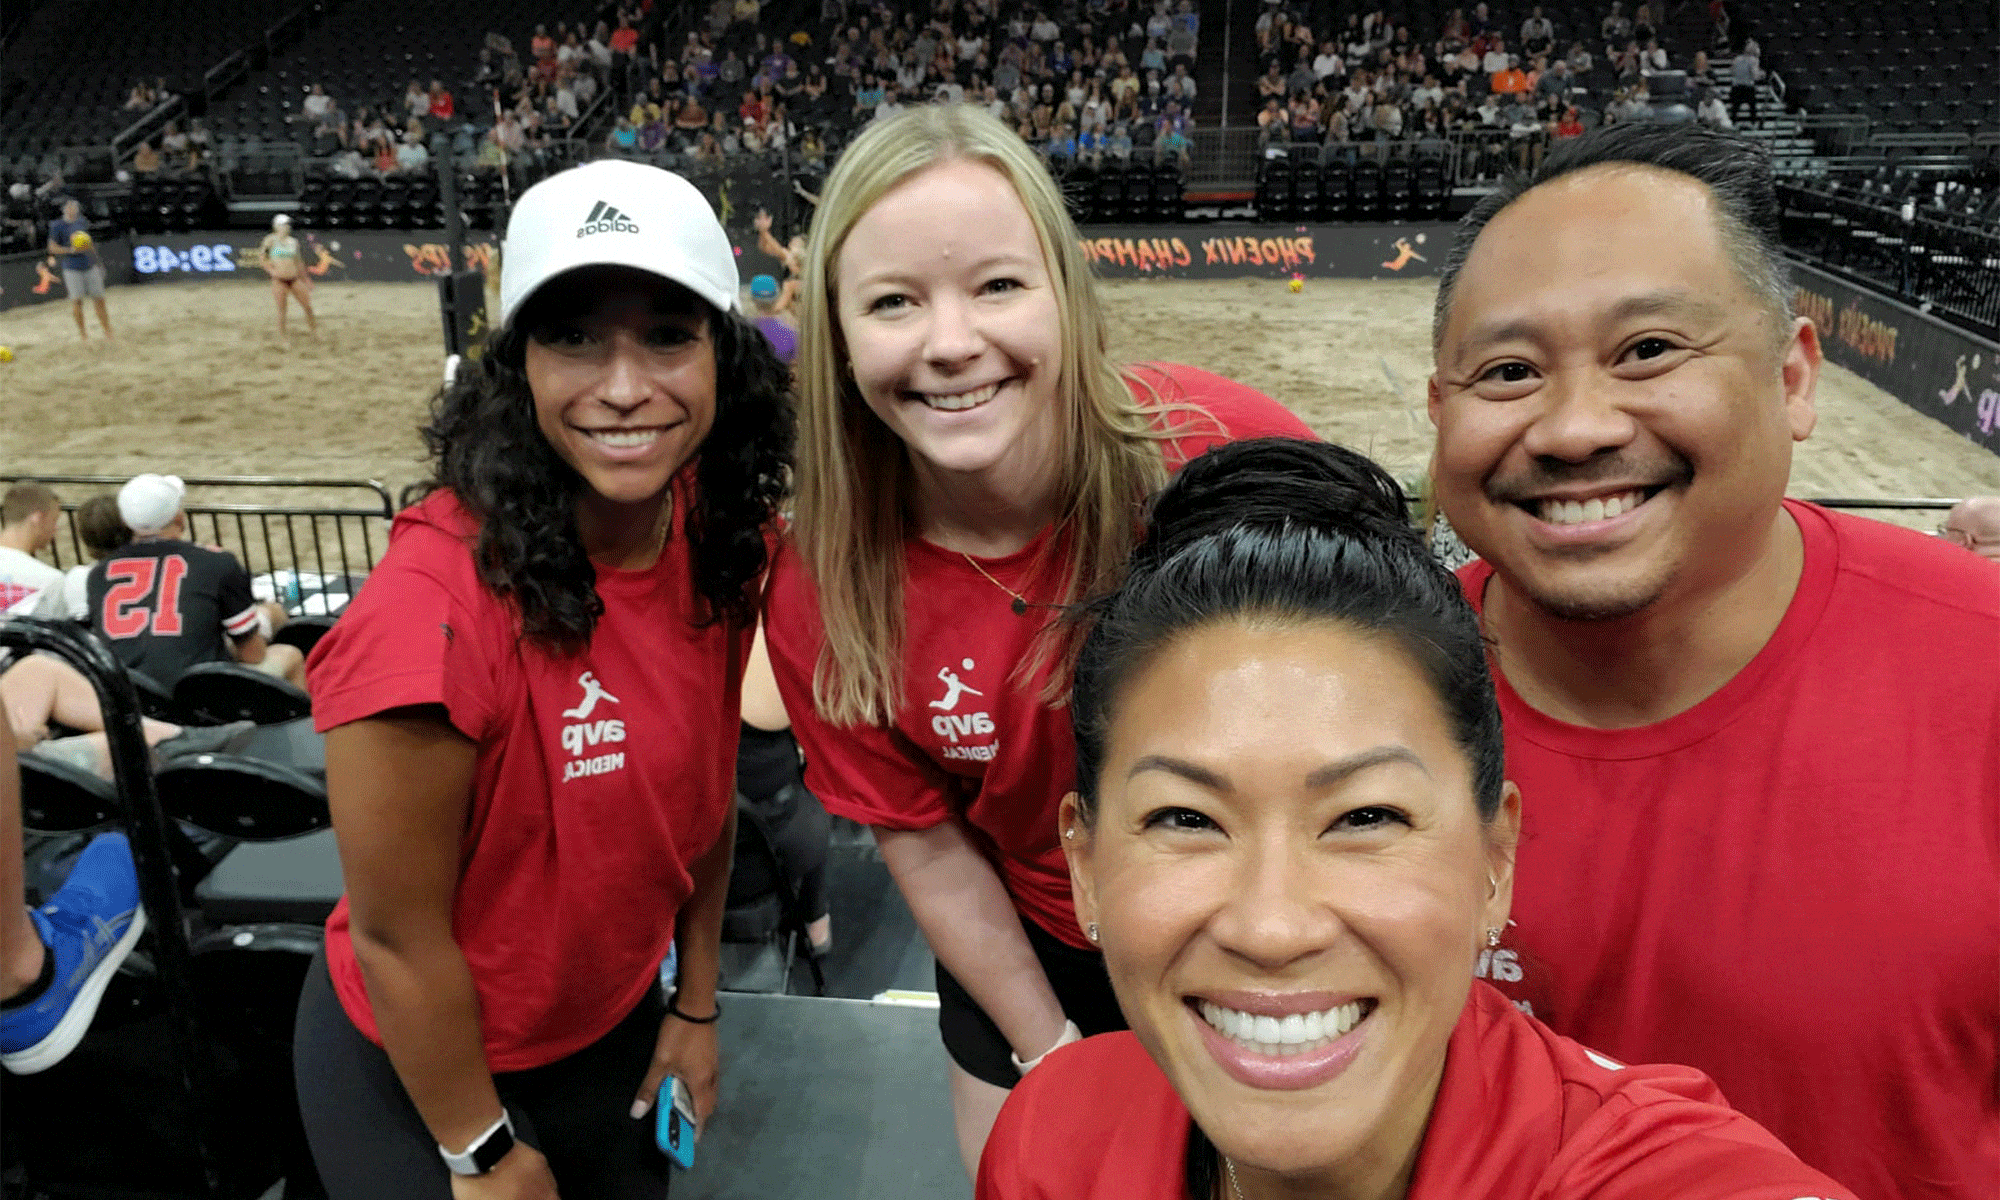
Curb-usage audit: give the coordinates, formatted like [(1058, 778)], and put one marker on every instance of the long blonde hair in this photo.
[(854, 499)]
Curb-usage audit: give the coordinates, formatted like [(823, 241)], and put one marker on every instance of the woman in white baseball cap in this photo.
[(531, 716)]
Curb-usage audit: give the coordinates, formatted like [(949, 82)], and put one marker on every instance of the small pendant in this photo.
[(1020, 606)]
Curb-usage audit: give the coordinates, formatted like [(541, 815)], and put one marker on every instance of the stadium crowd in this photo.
[(1367, 77)]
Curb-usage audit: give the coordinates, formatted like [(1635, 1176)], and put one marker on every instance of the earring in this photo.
[(1090, 931), (1493, 937), (1070, 833)]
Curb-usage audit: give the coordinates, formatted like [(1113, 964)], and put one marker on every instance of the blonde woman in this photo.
[(286, 266), (970, 459)]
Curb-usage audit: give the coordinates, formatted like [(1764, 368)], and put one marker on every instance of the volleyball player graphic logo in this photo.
[(593, 691), (954, 687)]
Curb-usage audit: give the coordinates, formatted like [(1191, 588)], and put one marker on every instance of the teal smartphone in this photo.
[(673, 1122)]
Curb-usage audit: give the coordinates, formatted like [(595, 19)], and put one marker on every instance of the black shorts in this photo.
[(976, 1044), (370, 1144)]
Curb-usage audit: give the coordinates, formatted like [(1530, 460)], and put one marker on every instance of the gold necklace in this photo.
[(1020, 604)]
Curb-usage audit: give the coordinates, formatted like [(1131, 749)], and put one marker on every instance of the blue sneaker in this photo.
[(89, 927)]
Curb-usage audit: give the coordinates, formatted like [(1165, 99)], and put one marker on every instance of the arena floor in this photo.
[(198, 383)]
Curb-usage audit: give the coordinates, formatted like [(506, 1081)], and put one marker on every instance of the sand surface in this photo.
[(198, 383)]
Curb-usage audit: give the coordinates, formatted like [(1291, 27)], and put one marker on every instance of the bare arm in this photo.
[(400, 785), (685, 1049), (970, 922)]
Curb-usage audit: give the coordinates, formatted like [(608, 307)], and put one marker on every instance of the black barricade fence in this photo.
[(1266, 251), (307, 543), (1936, 368), (462, 306)]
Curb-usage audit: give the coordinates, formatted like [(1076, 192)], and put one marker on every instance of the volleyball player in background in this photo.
[(286, 266), (970, 458)]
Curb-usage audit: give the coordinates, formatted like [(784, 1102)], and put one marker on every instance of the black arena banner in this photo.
[(1266, 251), (1938, 369)]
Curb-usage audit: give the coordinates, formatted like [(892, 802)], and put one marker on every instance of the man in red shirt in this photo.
[(1761, 829)]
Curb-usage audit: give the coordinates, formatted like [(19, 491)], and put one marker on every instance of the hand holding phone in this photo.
[(674, 1125)]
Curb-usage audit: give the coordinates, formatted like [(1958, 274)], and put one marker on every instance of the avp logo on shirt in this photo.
[(586, 733), (954, 726)]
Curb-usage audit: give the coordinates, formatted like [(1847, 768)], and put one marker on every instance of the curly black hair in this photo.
[(486, 447)]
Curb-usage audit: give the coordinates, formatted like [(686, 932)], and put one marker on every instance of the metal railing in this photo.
[(334, 534)]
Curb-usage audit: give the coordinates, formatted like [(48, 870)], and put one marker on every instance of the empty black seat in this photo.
[(297, 880), (220, 692), (60, 797)]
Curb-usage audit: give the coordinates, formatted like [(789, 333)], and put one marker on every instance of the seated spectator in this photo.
[(1181, 48), (1580, 60), (316, 106), (1387, 119), (1305, 119), (52, 710), (1712, 112), (1652, 59), (1510, 80), (165, 604), (1571, 124), (1301, 79), (1061, 147), (1616, 28), (1118, 147), (1273, 122), (146, 160), (1270, 85), (102, 532), (441, 105), (1538, 33), (1172, 147), (1554, 81), (1496, 59), (1974, 523), (412, 155), (416, 101), (29, 587), (140, 98), (541, 45)]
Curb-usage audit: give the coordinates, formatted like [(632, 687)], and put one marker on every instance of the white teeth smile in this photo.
[(1571, 512), (1282, 1037), (624, 439), (962, 400)]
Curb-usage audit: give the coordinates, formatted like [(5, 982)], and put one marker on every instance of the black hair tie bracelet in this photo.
[(673, 1010)]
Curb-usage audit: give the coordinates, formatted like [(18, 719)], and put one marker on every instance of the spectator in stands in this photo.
[(1291, 833), (1273, 122), (1181, 46), (141, 98), (549, 573), (623, 138), (82, 266), (103, 533), (1570, 125), (1616, 28), (912, 206), (1974, 523), (412, 157), (1579, 60), (1744, 72), (1496, 59), (1658, 659), (1538, 33), (29, 587), (145, 159), (441, 106), (1652, 58), (416, 101), (1510, 81), (165, 604), (1271, 85), (284, 262), (1712, 112)]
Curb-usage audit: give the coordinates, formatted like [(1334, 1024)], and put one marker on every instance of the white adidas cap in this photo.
[(620, 214), (147, 503)]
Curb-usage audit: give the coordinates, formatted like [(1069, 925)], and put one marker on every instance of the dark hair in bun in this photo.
[(1278, 528)]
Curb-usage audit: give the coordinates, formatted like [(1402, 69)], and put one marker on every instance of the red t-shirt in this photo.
[(971, 740), (1521, 1113), (601, 778), (1795, 885)]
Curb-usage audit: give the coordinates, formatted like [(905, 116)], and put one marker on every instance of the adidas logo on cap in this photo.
[(604, 218)]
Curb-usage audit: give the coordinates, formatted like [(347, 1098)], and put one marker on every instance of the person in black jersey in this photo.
[(165, 604)]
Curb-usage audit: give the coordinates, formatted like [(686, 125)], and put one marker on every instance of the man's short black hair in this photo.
[(1735, 170)]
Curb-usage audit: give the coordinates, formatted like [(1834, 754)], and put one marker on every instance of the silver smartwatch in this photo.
[(486, 1150)]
